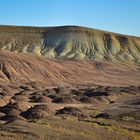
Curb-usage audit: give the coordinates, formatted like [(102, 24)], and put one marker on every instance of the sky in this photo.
[(121, 16)]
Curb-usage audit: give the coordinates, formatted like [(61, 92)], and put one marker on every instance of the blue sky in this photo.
[(121, 16)]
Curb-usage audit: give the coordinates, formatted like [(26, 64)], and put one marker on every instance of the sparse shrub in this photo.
[(127, 118)]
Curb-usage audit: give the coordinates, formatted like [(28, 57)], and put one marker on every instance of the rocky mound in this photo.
[(37, 112), (103, 115), (20, 98), (74, 111)]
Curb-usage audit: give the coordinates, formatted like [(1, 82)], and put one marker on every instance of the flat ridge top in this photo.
[(71, 28)]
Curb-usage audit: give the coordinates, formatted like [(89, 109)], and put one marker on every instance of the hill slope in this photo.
[(20, 68), (71, 42)]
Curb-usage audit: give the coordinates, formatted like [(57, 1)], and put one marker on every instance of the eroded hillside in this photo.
[(71, 42), (21, 68)]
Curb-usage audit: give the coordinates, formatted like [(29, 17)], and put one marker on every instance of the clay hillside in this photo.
[(71, 42), (22, 68)]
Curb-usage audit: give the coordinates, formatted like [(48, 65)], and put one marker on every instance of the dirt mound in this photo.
[(65, 99), (1, 114), (89, 100), (60, 90), (10, 118), (10, 111), (21, 106), (37, 112), (20, 98), (39, 98), (103, 115), (74, 111), (93, 94), (14, 108)]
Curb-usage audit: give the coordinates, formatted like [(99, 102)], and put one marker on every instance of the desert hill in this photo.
[(68, 83), (71, 42), (21, 68)]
